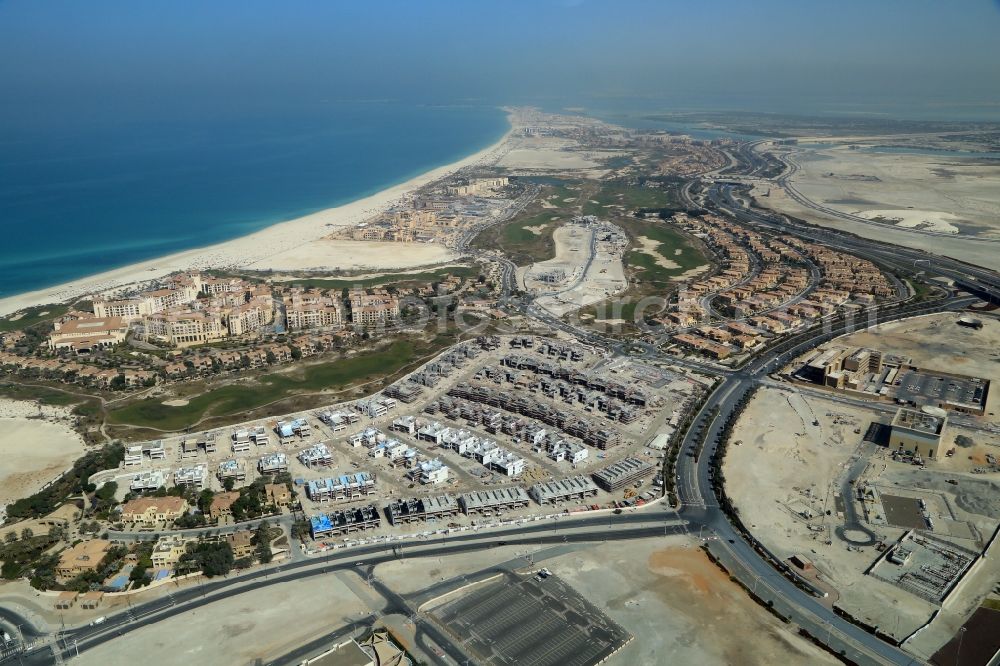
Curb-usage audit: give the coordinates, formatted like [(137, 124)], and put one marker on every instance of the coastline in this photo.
[(257, 248)]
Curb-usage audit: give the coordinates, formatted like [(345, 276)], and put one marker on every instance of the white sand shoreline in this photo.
[(254, 249)]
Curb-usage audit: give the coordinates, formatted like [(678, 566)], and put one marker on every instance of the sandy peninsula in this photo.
[(296, 244)]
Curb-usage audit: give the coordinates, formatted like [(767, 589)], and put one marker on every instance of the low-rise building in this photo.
[(149, 480), (273, 463), (918, 433), (232, 469), (372, 309), (622, 473), (84, 556), (571, 488), (167, 551), (151, 511), (194, 476), (240, 543), (345, 521), (348, 486), (277, 494), (85, 333), (222, 505), (419, 509), (493, 501), (432, 472)]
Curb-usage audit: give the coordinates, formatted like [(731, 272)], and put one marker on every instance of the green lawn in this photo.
[(238, 398), (669, 241), (629, 196), (521, 244), (423, 277), (33, 316), (44, 395)]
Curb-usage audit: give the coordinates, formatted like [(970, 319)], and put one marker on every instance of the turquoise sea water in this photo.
[(77, 201)]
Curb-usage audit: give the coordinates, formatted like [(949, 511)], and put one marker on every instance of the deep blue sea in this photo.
[(83, 198)]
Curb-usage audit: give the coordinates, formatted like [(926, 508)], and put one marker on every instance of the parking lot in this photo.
[(921, 387), (533, 621)]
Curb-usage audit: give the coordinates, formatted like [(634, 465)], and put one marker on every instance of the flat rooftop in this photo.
[(927, 387), (918, 421)]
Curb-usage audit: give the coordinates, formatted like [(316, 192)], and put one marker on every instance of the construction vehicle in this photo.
[(629, 493)]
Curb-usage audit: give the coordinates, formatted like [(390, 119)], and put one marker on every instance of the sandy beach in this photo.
[(34, 450), (291, 245)]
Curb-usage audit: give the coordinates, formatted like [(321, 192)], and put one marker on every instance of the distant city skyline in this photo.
[(914, 58)]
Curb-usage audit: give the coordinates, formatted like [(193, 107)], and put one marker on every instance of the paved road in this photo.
[(657, 522)]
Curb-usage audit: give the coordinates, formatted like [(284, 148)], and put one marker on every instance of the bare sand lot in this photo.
[(934, 193), (785, 474), (260, 625), (937, 341), (680, 607), (953, 194), (34, 450), (329, 254), (542, 153)]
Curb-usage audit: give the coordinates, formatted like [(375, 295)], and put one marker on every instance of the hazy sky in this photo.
[(129, 56)]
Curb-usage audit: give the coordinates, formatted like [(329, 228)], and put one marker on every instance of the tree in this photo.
[(214, 558), (205, 500), (229, 484), (27, 533), (262, 540), (965, 441), (107, 491), (301, 529), (10, 537), (189, 520)]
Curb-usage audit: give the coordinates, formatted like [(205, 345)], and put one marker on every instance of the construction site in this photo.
[(587, 267), (515, 426), (822, 483)]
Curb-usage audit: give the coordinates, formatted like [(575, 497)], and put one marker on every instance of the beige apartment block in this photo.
[(84, 333), (372, 309)]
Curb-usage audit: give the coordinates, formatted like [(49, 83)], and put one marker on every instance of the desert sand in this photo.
[(331, 254), (295, 244), (36, 445), (953, 197)]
